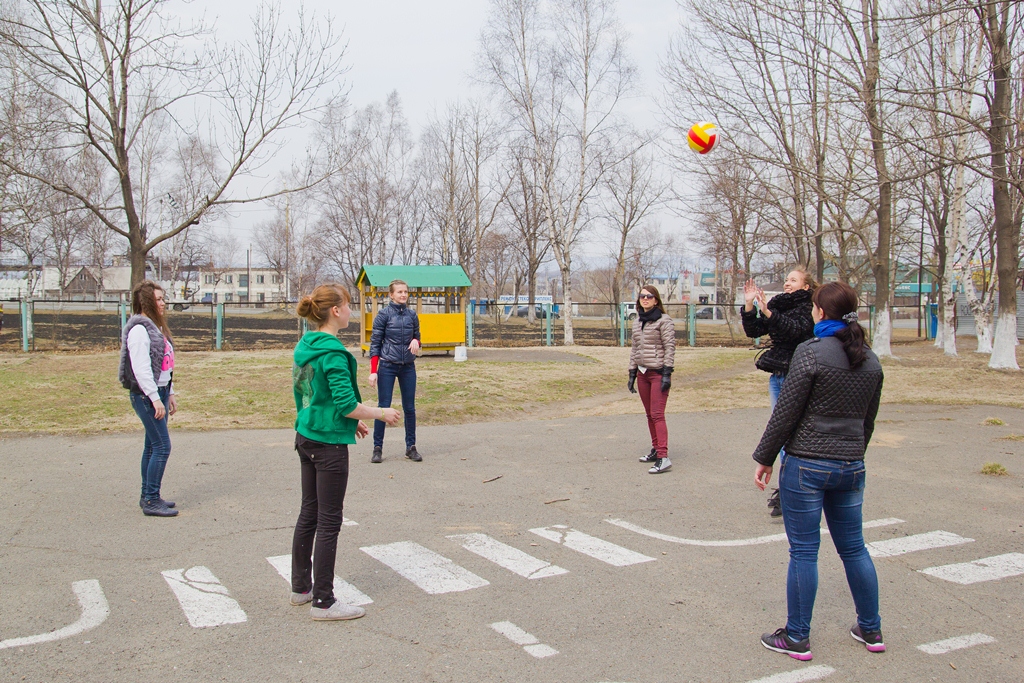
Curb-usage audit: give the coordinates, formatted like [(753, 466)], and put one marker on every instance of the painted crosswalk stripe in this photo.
[(986, 569), (95, 611), (343, 590), (205, 601), (911, 544), (512, 559), (432, 572), (528, 641), (597, 548), (941, 647), (811, 673), (345, 521), (757, 540)]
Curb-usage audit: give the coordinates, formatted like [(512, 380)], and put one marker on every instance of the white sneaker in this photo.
[(336, 612), (660, 465)]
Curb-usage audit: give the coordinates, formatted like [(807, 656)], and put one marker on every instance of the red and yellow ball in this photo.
[(703, 137)]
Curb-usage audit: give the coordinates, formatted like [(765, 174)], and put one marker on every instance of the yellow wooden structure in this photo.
[(437, 294)]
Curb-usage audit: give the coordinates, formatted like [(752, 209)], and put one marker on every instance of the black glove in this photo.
[(666, 379), (632, 381)]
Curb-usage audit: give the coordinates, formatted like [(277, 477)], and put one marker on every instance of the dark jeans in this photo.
[(654, 400), (157, 447), (324, 480), (387, 373), (808, 487), (774, 389)]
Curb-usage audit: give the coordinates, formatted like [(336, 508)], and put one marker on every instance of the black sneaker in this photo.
[(413, 454), (650, 457), (775, 504), (781, 642), (872, 639), (156, 508), (378, 454), (168, 503)]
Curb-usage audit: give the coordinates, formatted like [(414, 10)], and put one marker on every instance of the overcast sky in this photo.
[(426, 50)]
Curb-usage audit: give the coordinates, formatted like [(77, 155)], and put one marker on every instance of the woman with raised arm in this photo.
[(651, 361), (786, 321), (824, 417), (329, 410), (146, 370)]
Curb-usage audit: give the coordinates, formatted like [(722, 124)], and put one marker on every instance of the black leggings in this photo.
[(324, 480)]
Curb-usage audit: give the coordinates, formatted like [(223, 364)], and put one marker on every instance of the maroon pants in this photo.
[(654, 399)]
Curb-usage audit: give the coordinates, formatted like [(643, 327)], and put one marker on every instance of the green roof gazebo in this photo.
[(438, 294)]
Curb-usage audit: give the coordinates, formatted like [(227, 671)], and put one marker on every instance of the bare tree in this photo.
[(135, 92), (561, 75)]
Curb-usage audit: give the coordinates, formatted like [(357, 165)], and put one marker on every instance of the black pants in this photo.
[(324, 480)]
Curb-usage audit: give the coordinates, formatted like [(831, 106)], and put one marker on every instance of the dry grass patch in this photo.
[(994, 469)]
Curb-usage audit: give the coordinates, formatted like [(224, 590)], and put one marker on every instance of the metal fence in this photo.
[(234, 326)]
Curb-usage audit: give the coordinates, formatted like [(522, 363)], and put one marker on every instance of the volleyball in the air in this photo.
[(703, 137)]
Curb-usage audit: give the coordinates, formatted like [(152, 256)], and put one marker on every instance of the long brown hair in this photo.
[(812, 284), (837, 300), (144, 303), (316, 307), (657, 299)]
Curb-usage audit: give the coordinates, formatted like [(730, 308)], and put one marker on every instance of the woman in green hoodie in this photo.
[(329, 411)]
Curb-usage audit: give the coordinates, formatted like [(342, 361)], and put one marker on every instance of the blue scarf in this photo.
[(828, 328)]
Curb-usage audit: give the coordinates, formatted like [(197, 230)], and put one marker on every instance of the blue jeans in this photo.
[(387, 373), (157, 447), (774, 389), (808, 487)]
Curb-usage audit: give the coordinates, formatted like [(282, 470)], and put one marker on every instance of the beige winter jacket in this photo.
[(654, 344)]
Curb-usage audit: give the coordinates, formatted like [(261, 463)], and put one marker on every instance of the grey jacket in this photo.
[(654, 344), (125, 372), (395, 326), (825, 410)]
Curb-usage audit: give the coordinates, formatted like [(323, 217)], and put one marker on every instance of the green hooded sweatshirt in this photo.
[(324, 384)]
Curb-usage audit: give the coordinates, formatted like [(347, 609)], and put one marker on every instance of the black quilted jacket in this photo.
[(790, 325), (825, 409)]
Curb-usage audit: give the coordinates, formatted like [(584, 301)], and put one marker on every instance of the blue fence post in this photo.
[(218, 339), (691, 323), (26, 324), (122, 311), (547, 323), (622, 324), (871, 323)]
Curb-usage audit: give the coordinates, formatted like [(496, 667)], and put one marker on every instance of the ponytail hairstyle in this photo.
[(657, 299), (395, 283), (838, 301), (316, 307), (812, 284), (144, 303)]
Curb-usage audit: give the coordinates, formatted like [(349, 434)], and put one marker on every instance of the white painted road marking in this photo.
[(911, 544), (757, 540), (986, 569), (615, 555), (941, 647), (343, 590), (94, 612), (345, 521), (512, 559), (205, 601), (528, 641), (432, 572), (811, 673)]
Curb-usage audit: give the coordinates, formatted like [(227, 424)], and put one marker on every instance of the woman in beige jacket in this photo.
[(650, 370)]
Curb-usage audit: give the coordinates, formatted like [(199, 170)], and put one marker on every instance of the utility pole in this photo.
[(248, 275), (287, 249)]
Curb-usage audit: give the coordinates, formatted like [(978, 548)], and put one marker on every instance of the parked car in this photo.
[(179, 307), (539, 312), (707, 313), (207, 299)]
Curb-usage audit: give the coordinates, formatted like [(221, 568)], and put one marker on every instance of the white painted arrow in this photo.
[(94, 612)]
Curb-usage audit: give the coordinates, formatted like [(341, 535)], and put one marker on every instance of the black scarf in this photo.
[(649, 316)]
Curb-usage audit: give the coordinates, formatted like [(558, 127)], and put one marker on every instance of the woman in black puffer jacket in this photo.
[(825, 417), (786, 320)]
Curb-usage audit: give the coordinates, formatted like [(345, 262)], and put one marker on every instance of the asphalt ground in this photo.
[(68, 513)]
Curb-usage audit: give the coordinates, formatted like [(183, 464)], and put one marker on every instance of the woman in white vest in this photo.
[(146, 371)]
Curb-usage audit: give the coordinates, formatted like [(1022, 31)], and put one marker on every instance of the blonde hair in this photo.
[(395, 283), (809, 280), (316, 307), (144, 302)]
